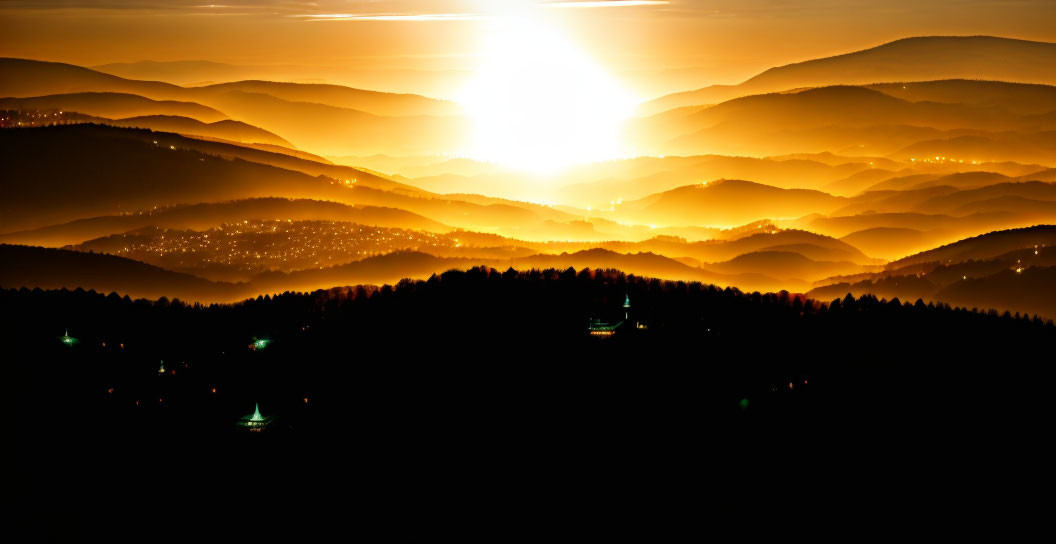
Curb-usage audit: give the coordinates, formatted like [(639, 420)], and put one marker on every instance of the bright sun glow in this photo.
[(537, 102)]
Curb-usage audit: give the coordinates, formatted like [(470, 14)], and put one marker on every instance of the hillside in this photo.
[(114, 106), (301, 117), (1018, 98), (985, 246), (924, 58), (58, 174), (1006, 270), (204, 216), (378, 103), (641, 176), (1027, 147), (783, 265), (24, 266), (84, 183), (1028, 292), (226, 129), (888, 242), (26, 77), (727, 203), (846, 119)]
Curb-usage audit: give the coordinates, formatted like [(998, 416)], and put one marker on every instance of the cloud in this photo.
[(407, 15), (392, 17), (606, 4)]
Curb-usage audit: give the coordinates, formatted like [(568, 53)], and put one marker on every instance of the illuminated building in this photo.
[(67, 339), (259, 344), (255, 422), (600, 329)]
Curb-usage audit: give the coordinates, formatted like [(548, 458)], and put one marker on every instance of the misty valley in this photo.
[(245, 277)]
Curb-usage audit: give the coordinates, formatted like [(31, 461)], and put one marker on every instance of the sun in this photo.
[(538, 103)]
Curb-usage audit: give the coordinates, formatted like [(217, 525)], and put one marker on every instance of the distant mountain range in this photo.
[(206, 215), (846, 174), (114, 105), (322, 118), (58, 268), (728, 202), (68, 172), (1009, 270), (25, 77), (856, 120), (911, 59)]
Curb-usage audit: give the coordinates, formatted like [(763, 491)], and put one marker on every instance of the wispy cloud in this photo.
[(468, 16), (324, 10), (606, 4), (392, 17)]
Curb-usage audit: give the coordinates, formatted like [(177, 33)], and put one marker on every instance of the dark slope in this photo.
[(58, 174), (226, 129), (985, 246), (114, 106), (204, 216), (25, 266)]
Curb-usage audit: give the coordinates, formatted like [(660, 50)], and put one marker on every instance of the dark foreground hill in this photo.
[(482, 378)]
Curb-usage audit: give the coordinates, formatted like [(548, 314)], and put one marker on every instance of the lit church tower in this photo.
[(255, 422)]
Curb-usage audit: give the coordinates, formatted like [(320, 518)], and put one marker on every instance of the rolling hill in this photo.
[(206, 215), (1018, 98), (845, 119), (378, 103), (1029, 292), (1036, 146), (1006, 270), (925, 58), (25, 266), (985, 246), (301, 117), (58, 174), (114, 106), (639, 177), (226, 129), (889, 242), (727, 202), (26, 77), (62, 173), (783, 265)]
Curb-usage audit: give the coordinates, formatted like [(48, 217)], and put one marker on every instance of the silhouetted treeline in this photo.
[(469, 372), (480, 325)]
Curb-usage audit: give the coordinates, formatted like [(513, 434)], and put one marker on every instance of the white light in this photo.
[(538, 103)]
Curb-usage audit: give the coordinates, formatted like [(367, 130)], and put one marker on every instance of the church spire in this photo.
[(256, 413)]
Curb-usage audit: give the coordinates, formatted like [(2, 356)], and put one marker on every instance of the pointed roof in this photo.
[(256, 413), (626, 301)]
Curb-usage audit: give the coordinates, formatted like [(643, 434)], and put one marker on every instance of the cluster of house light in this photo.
[(280, 244)]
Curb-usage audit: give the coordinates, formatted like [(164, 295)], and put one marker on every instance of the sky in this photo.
[(430, 46)]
